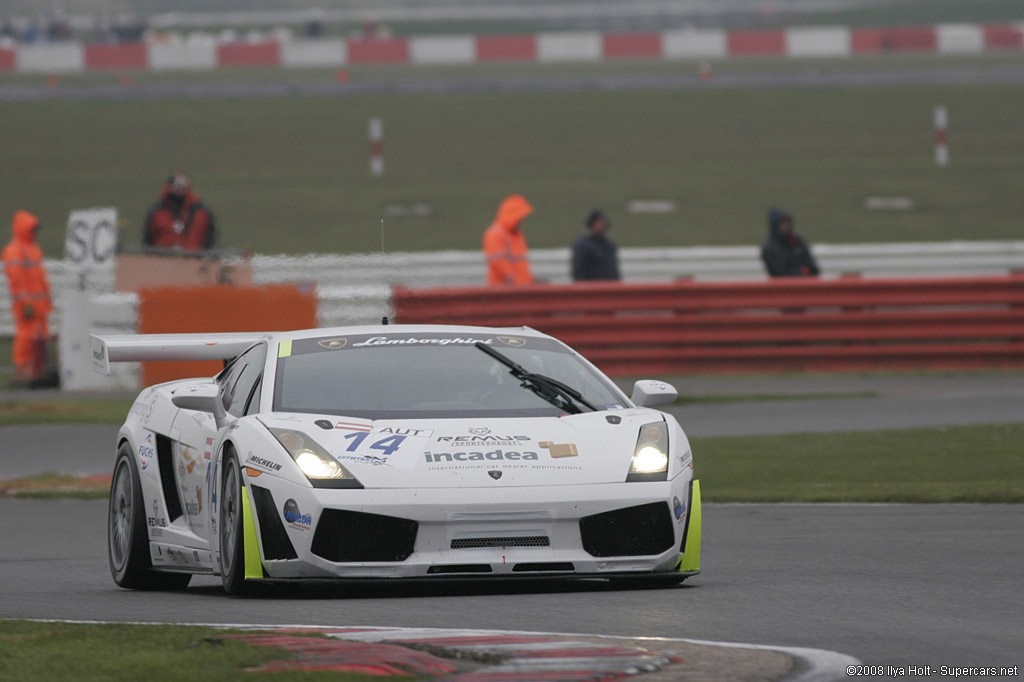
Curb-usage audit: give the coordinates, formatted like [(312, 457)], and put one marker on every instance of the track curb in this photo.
[(810, 665)]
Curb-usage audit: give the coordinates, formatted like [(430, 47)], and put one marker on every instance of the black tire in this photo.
[(127, 538), (230, 527)]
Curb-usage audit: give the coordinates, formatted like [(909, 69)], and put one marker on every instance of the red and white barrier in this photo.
[(182, 57), (960, 38), (442, 50), (692, 44), (797, 42), (819, 42), (569, 47)]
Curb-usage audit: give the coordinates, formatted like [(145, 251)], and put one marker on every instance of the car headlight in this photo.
[(650, 456), (322, 470)]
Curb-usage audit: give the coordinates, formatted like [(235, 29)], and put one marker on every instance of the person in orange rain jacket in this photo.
[(179, 220), (30, 297), (505, 244)]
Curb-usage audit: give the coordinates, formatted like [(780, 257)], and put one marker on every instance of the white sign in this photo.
[(91, 242)]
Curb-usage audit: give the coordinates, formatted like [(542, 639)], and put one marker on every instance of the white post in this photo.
[(376, 146), (941, 143)]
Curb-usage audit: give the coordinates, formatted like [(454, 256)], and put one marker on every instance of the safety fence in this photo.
[(356, 288), (779, 325), (204, 51)]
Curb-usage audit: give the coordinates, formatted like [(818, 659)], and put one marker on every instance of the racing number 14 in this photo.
[(386, 445)]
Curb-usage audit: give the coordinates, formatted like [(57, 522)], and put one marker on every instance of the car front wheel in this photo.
[(127, 539)]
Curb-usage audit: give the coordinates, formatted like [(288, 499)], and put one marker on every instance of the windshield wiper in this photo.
[(551, 390)]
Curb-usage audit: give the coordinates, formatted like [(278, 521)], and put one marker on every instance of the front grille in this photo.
[(459, 568), (276, 544), (473, 543), (563, 566), (343, 535), (634, 531)]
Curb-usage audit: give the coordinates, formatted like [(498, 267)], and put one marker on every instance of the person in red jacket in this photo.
[(179, 220), (505, 244), (30, 297)]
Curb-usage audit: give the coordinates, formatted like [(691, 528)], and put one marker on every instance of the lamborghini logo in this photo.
[(494, 474), (512, 341), (332, 344)]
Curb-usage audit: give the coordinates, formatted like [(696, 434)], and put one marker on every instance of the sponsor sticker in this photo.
[(493, 455), (142, 408), (208, 451), (394, 446), (189, 458), (513, 341), (333, 344), (558, 450), (156, 521), (486, 460), (146, 452), (354, 426), (424, 341), (482, 437), (294, 516), (678, 508), (262, 463)]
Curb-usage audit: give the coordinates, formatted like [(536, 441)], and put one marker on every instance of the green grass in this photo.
[(56, 486), (64, 411), (78, 652), (955, 464), (6, 361), (290, 175)]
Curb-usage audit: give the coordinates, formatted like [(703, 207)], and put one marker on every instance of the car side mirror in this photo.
[(649, 393), (202, 398)]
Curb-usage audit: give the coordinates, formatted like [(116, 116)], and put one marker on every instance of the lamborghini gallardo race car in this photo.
[(395, 451)]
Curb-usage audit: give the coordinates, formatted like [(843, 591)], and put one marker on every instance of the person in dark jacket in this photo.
[(785, 253), (179, 220), (594, 255)]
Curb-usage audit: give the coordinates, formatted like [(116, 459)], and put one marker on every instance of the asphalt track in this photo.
[(518, 84), (888, 584)]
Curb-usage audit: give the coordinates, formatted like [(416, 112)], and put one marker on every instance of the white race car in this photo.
[(395, 451)]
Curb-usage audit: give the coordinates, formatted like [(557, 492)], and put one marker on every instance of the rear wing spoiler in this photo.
[(144, 347)]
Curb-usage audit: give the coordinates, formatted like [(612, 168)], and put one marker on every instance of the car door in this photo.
[(198, 438)]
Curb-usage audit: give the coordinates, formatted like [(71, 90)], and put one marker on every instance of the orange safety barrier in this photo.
[(778, 325), (170, 310)]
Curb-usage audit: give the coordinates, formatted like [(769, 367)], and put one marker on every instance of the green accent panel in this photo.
[(689, 560), (284, 349), (253, 565)]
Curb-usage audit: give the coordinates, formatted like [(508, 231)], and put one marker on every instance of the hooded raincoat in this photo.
[(30, 296), (179, 223), (505, 245), (785, 253)]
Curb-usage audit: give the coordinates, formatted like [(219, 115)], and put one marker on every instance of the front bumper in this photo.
[(630, 529)]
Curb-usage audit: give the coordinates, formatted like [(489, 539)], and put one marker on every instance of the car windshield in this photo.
[(428, 375)]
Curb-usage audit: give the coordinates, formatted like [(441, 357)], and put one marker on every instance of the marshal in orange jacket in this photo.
[(30, 296), (505, 244)]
